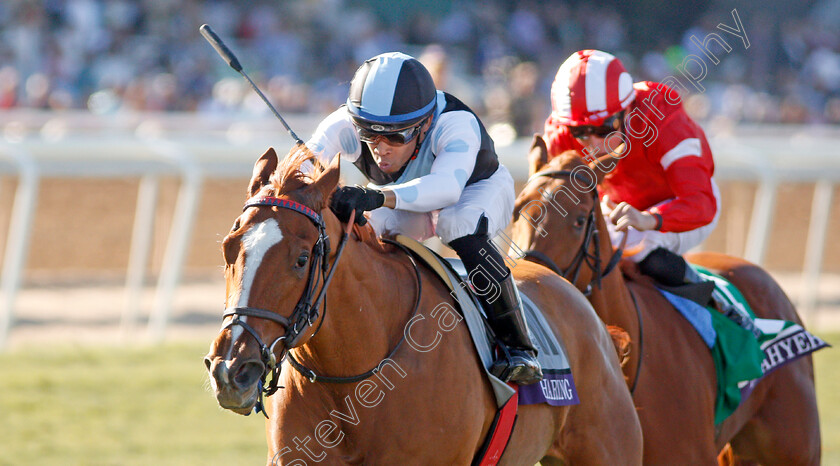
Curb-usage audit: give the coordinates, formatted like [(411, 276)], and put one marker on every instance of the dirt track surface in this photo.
[(85, 224), (90, 314), (73, 291)]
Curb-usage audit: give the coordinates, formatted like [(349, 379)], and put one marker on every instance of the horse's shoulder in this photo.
[(530, 275), (560, 301)]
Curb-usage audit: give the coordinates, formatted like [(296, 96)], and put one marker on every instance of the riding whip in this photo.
[(231, 60)]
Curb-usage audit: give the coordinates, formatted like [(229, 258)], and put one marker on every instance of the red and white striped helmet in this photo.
[(589, 87)]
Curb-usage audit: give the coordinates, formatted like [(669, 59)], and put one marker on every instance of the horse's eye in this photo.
[(580, 222), (302, 260)]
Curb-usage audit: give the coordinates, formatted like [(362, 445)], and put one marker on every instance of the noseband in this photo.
[(591, 234), (306, 310), (592, 260)]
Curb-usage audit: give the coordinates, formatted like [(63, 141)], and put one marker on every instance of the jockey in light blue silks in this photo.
[(433, 171)]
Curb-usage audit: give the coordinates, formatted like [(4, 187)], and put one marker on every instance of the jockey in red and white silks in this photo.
[(662, 190)]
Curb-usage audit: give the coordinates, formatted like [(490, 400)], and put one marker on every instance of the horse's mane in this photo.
[(296, 171), (299, 169)]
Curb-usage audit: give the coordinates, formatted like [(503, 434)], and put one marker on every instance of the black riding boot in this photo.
[(502, 304), (508, 323), (674, 274)]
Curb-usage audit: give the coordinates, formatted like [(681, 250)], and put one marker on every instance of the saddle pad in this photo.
[(781, 341), (740, 359), (557, 388)]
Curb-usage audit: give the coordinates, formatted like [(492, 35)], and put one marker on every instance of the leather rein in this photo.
[(307, 310), (592, 260)]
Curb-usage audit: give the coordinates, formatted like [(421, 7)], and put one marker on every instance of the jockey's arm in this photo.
[(390, 198), (455, 140), (335, 134), (688, 175), (624, 216), (694, 204)]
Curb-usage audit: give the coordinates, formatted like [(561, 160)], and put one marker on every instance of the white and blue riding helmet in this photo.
[(391, 92)]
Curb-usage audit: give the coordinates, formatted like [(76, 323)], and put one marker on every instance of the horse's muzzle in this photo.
[(236, 385)]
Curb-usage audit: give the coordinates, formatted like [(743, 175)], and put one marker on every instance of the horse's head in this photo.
[(275, 266), (555, 213)]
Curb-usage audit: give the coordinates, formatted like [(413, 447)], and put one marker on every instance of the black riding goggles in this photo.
[(609, 126), (403, 136)]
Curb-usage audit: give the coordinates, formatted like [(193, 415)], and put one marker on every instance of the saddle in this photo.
[(557, 388), (741, 359)]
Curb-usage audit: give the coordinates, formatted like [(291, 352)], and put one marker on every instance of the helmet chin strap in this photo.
[(420, 138), (416, 150)]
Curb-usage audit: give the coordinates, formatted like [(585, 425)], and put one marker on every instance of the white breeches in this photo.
[(492, 197)]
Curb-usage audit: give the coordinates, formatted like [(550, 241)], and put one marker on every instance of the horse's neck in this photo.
[(612, 300), (368, 302)]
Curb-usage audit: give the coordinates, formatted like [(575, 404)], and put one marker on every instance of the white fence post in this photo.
[(141, 242), (17, 243), (815, 247), (761, 221), (177, 245)]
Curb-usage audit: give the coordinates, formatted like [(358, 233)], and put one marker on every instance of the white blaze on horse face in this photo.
[(256, 242)]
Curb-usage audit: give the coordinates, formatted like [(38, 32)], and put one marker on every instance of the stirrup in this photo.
[(517, 365), (741, 320)]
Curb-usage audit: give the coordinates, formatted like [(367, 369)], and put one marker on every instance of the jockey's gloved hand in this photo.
[(349, 198)]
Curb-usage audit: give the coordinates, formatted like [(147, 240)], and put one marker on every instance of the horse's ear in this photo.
[(328, 179), (602, 166), (263, 169), (538, 155)]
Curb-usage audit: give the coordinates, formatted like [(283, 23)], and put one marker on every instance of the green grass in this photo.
[(140, 406), (827, 373), (82, 405)]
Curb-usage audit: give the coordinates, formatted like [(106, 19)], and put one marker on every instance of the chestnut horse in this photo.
[(422, 403), (670, 370)]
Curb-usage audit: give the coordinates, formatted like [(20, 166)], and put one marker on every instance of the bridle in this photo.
[(306, 311), (591, 234), (592, 260)]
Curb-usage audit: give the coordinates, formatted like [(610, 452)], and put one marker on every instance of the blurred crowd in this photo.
[(500, 57)]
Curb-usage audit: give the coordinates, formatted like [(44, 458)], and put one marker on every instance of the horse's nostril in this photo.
[(248, 374), (208, 363)]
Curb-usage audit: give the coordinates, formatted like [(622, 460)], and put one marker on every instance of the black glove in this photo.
[(349, 198)]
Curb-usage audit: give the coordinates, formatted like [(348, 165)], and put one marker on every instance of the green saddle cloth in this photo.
[(740, 358), (737, 353)]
